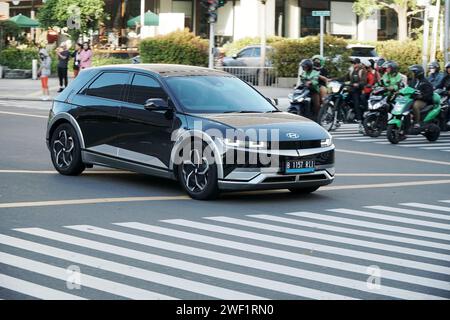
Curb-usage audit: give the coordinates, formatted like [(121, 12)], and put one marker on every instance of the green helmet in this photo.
[(320, 58)]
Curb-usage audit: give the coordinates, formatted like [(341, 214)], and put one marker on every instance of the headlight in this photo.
[(335, 87), (326, 142), (243, 144)]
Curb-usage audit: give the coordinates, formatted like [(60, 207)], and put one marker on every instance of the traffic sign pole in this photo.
[(321, 14), (321, 35), (211, 45)]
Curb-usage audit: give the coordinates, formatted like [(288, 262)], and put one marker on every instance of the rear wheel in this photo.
[(303, 190), (197, 173), (432, 133), (327, 117), (372, 126), (65, 151), (393, 134)]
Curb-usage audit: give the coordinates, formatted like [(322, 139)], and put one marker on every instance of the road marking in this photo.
[(34, 290), (127, 270), (424, 145), (426, 206), (412, 212), (312, 247), (90, 201), (100, 284), (250, 263), (56, 172), (393, 157), (23, 114), (387, 217), (293, 256), (436, 148), (384, 185), (403, 231), (186, 266), (348, 240)]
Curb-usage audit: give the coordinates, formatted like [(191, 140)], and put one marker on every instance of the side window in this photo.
[(256, 52), (144, 88), (246, 53), (109, 85)]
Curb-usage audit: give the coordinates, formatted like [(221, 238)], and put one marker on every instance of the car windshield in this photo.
[(217, 94), (363, 52)]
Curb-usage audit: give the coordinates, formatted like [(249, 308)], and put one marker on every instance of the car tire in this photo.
[(303, 190), (65, 151), (198, 175)]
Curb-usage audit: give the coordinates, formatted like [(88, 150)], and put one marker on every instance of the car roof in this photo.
[(360, 46), (166, 70)]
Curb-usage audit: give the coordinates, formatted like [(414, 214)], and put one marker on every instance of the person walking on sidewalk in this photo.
[(45, 63), (63, 59), (85, 56), (76, 59)]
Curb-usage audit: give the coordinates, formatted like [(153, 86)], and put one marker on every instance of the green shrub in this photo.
[(234, 47), (179, 47), (102, 61), (289, 52), (18, 58)]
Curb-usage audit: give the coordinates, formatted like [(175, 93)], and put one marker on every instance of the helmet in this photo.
[(434, 65), (447, 65), (392, 65), (380, 62), (367, 64), (417, 70), (320, 58), (306, 64)]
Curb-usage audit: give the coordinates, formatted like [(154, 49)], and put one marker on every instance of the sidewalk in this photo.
[(30, 90)]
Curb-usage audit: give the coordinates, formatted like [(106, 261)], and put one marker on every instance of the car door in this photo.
[(146, 134), (98, 113)]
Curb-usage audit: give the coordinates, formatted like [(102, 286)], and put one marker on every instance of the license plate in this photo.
[(299, 166)]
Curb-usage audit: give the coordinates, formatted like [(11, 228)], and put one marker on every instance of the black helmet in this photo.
[(435, 65), (391, 64), (306, 64), (447, 65), (417, 70)]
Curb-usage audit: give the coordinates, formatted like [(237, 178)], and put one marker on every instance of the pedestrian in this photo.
[(63, 59), (45, 63), (76, 59), (85, 56), (358, 80)]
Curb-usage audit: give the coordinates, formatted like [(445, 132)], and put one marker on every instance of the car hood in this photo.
[(286, 123)]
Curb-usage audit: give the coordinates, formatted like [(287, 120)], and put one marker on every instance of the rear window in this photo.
[(363, 52)]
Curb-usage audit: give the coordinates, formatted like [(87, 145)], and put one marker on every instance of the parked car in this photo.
[(363, 52), (185, 123)]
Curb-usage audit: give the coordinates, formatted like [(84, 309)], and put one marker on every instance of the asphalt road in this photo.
[(380, 231)]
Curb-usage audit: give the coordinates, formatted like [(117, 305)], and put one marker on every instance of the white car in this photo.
[(363, 52)]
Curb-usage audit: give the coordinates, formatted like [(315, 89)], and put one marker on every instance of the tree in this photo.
[(7, 28), (403, 8), (77, 15)]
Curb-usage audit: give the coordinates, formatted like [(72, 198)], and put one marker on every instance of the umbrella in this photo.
[(150, 19), (24, 22)]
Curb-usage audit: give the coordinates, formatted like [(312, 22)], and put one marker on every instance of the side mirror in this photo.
[(154, 104), (234, 56)]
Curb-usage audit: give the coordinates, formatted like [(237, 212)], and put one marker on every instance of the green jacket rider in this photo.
[(308, 74), (391, 78)]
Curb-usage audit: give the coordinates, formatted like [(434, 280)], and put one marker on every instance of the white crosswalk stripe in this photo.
[(310, 255), (349, 132)]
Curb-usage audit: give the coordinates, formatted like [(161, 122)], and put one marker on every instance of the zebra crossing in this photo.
[(373, 252), (349, 132)]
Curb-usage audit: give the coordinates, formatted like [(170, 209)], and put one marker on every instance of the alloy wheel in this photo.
[(63, 148), (195, 172)]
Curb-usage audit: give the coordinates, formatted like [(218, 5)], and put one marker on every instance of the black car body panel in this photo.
[(105, 106)]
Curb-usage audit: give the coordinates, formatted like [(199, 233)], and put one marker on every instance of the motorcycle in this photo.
[(445, 109), (401, 123), (379, 106), (337, 107), (300, 101)]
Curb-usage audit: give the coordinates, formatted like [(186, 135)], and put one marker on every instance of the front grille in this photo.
[(280, 179), (298, 144)]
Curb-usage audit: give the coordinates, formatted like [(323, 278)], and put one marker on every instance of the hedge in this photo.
[(18, 58), (179, 47)]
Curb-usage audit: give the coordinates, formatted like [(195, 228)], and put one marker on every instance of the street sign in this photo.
[(321, 13)]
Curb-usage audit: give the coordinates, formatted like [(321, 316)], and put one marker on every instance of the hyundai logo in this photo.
[(293, 135)]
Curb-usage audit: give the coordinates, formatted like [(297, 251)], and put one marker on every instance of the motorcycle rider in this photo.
[(392, 79), (319, 65), (434, 75), (310, 78), (424, 96), (358, 80), (445, 84)]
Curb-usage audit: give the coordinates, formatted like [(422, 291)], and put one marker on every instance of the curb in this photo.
[(24, 99)]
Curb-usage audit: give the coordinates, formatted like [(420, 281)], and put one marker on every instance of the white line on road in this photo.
[(384, 185), (293, 256), (23, 114), (34, 290), (426, 206), (100, 284), (56, 172), (127, 270), (251, 263), (186, 266), (412, 212), (424, 145), (382, 155)]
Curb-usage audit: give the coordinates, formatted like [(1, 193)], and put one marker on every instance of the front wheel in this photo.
[(393, 134), (198, 173), (65, 151), (433, 132), (372, 126), (327, 117), (303, 190)]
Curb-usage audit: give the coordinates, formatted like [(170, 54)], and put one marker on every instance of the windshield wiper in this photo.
[(243, 111), (272, 111)]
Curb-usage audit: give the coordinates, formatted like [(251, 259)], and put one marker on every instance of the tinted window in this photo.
[(257, 52), (144, 88), (364, 52), (109, 85), (246, 53)]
